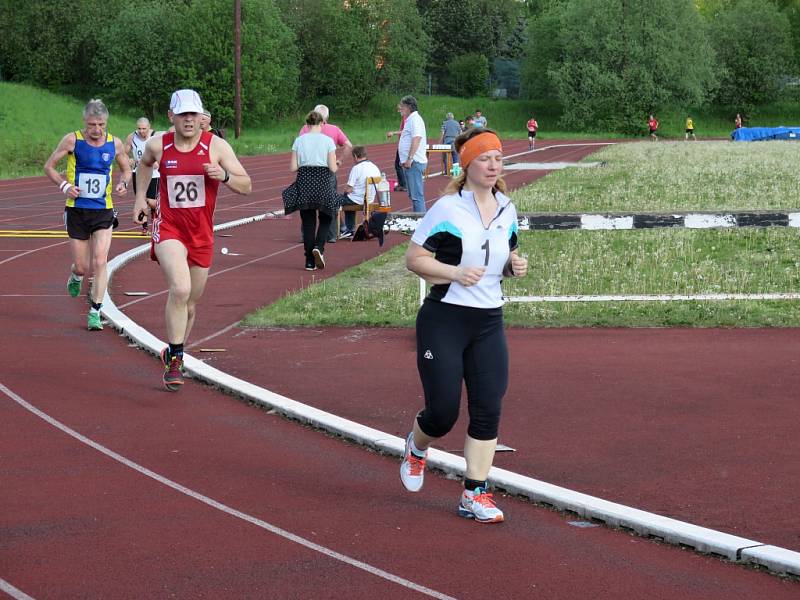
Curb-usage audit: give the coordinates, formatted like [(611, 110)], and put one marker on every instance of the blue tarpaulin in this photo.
[(756, 134)]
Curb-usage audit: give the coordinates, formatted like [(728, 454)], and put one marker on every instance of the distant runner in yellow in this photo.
[(689, 129)]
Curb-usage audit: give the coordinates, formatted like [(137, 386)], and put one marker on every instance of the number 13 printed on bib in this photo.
[(186, 191)]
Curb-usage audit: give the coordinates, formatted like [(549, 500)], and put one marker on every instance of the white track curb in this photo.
[(702, 539)]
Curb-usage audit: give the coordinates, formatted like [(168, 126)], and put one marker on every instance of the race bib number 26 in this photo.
[(186, 191)]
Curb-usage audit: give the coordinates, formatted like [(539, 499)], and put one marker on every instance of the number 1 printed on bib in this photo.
[(186, 191)]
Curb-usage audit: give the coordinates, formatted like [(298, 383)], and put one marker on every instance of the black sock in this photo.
[(176, 350), (96, 305), (471, 484)]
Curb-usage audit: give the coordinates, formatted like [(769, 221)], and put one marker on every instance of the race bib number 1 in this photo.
[(186, 191), (92, 185)]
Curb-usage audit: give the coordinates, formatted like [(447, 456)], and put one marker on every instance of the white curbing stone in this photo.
[(702, 539), (774, 558)]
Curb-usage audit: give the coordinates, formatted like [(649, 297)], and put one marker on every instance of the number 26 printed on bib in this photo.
[(186, 191)]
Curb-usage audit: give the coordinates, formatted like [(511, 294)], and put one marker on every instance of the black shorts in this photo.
[(83, 222), (690, 131), (531, 134), (652, 131), (152, 189)]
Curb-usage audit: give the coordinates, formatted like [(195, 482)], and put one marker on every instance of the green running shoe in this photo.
[(74, 286), (93, 321)]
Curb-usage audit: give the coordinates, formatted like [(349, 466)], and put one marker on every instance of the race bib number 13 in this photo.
[(186, 191), (92, 185)]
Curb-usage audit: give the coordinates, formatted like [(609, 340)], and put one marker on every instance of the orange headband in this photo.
[(475, 146)]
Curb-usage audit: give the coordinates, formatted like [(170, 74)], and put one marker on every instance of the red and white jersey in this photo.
[(533, 125), (188, 196)]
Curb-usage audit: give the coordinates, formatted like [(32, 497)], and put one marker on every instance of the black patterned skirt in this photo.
[(314, 188)]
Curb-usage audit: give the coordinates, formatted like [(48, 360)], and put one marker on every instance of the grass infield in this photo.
[(636, 177)]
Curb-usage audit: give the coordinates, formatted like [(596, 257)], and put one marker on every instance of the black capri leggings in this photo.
[(460, 343)]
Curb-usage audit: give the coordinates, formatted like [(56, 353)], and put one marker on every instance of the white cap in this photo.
[(185, 101)]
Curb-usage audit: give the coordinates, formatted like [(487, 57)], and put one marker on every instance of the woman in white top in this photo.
[(465, 246), (314, 160)]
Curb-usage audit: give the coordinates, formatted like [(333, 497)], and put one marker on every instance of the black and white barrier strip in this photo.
[(407, 222), (702, 539)]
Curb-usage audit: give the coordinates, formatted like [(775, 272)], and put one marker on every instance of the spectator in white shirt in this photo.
[(412, 150), (356, 188)]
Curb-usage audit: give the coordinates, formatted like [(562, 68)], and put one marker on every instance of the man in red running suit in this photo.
[(192, 163)]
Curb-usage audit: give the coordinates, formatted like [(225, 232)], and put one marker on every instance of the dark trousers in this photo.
[(311, 239), (458, 344), (349, 217), (401, 176)]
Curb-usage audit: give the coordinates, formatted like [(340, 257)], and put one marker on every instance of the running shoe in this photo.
[(173, 371), (310, 265), (345, 235), (93, 321), (74, 285), (412, 469), (479, 505), (319, 259)]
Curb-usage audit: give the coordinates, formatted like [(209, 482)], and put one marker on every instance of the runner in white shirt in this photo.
[(465, 245)]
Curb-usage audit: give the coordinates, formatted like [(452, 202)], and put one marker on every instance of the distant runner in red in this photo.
[(192, 163), (737, 123), (533, 127), (652, 124)]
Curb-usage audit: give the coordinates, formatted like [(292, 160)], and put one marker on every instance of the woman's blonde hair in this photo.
[(457, 184)]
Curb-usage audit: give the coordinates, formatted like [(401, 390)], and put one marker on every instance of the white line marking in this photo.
[(655, 298), (21, 254), (213, 335), (13, 592), (222, 507)]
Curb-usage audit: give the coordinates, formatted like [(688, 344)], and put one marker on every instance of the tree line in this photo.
[(605, 63)]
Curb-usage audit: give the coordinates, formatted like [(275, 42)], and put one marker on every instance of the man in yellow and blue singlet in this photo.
[(89, 213)]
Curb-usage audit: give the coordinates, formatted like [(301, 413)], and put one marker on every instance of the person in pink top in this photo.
[(341, 141), (332, 131)]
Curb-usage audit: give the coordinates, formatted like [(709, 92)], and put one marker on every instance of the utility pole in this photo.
[(237, 66)]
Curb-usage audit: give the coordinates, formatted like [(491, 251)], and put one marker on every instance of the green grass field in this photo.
[(34, 120), (659, 261)]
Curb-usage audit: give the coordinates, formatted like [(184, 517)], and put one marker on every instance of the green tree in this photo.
[(480, 26), (337, 47), (468, 75), (45, 44), (191, 45), (613, 62), (753, 42), (401, 45)]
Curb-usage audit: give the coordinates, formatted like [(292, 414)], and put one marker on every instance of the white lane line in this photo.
[(23, 254), (12, 591), (223, 507), (656, 298), (201, 341), (216, 273)]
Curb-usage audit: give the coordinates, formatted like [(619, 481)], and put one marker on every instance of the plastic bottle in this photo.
[(383, 198)]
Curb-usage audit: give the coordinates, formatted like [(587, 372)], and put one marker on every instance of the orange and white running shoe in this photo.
[(479, 505), (412, 469)]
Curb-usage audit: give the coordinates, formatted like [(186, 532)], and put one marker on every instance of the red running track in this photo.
[(77, 523)]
